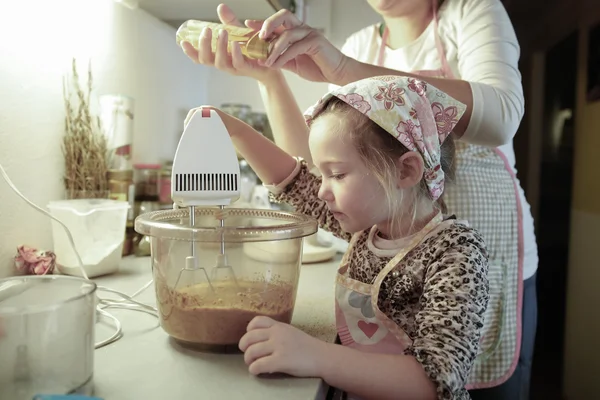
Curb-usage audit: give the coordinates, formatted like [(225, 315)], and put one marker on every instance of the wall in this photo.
[(582, 364), (132, 53)]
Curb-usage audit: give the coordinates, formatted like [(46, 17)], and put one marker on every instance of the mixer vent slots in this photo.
[(205, 182)]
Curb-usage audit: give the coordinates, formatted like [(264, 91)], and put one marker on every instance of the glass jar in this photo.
[(146, 180), (121, 187), (260, 122), (165, 184), (248, 180), (240, 111)]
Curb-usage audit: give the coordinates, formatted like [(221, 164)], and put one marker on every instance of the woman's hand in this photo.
[(234, 63), (301, 49), (270, 346)]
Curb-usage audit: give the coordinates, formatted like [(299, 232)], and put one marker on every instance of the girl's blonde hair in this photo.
[(380, 151)]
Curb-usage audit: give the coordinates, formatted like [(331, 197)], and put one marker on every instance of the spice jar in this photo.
[(242, 112), (145, 177), (121, 187)]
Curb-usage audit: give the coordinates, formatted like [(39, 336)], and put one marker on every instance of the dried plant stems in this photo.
[(84, 144)]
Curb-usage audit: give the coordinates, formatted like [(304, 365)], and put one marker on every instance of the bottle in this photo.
[(121, 187), (116, 116), (251, 45)]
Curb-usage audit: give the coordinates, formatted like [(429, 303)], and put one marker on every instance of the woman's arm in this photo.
[(490, 84), (488, 56)]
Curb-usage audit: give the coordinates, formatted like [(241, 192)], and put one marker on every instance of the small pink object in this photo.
[(34, 262)]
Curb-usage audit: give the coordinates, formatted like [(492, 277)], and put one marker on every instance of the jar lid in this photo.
[(120, 174), (241, 225)]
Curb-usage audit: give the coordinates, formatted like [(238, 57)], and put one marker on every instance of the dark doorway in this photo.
[(553, 223)]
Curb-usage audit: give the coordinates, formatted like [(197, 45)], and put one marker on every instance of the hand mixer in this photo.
[(206, 172)]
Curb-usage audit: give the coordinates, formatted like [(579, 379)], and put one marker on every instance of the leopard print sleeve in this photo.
[(301, 192), (449, 322)]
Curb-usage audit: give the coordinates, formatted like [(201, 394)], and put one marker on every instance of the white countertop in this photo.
[(146, 364)]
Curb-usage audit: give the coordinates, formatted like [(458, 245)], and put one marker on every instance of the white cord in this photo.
[(127, 302)]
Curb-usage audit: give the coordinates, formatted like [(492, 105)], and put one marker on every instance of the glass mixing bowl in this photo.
[(211, 281)]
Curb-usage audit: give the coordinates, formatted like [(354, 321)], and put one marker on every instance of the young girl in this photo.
[(412, 288)]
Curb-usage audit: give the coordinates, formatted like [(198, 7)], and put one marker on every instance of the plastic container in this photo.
[(209, 308), (251, 45), (97, 226), (46, 336)]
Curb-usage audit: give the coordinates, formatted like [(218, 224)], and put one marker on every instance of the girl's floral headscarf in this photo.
[(416, 113)]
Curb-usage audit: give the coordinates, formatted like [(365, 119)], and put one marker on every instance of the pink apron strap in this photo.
[(447, 71), (384, 39), (438, 43)]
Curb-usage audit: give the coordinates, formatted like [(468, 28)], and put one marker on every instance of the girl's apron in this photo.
[(360, 323), (485, 193)]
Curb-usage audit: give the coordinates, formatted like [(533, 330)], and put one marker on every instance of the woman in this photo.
[(468, 49)]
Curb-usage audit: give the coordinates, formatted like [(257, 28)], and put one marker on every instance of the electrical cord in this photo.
[(126, 302)]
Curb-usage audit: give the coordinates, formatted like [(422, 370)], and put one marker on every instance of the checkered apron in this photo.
[(485, 193)]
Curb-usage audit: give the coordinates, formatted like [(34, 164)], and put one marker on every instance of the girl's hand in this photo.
[(270, 346), (301, 49), (232, 124), (234, 63)]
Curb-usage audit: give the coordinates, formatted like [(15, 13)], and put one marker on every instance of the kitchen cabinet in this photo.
[(175, 12)]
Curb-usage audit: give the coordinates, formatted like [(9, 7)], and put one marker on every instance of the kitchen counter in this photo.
[(146, 364)]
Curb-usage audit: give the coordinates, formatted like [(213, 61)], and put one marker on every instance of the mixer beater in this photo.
[(205, 172)]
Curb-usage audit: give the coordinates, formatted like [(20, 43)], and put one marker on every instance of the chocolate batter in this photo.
[(196, 314)]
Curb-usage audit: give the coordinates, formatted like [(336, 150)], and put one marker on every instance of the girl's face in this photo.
[(397, 8), (352, 193)]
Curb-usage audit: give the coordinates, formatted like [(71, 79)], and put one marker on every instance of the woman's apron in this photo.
[(360, 323), (486, 194)]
